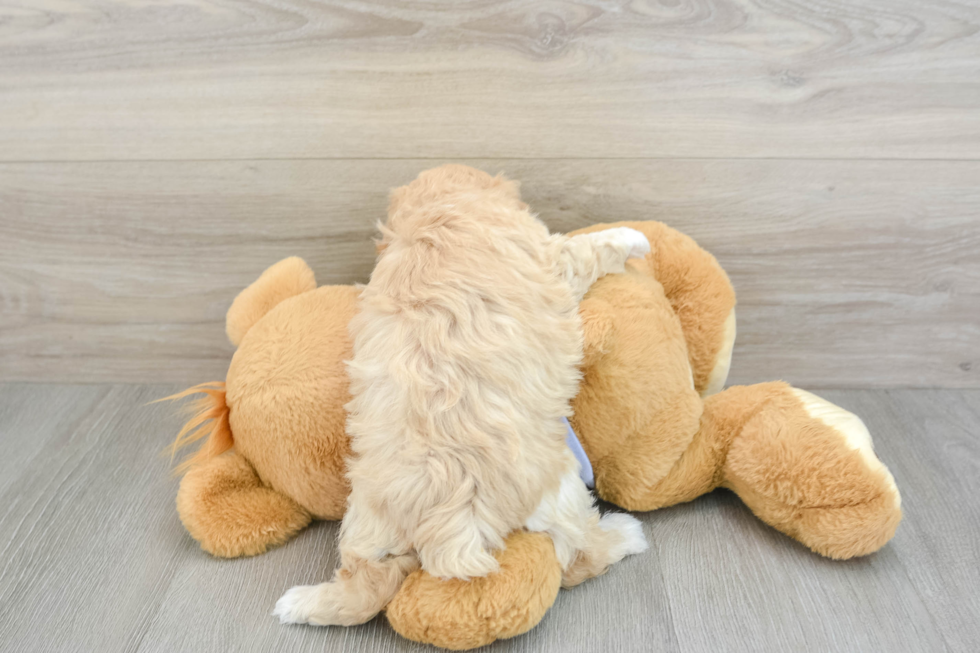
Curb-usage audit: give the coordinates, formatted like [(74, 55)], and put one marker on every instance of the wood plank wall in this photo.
[(156, 156)]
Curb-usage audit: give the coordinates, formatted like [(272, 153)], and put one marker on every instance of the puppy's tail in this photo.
[(208, 421)]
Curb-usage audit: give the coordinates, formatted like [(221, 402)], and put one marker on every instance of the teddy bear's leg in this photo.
[(571, 543), (699, 292), (225, 507), (800, 463), (458, 614), (806, 467)]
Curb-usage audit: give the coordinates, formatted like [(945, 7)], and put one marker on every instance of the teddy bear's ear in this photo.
[(381, 243), (597, 325), (287, 278)]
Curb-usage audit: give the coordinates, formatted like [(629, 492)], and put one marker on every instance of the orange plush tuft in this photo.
[(209, 419)]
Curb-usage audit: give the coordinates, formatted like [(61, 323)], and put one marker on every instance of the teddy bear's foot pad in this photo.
[(807, 467)]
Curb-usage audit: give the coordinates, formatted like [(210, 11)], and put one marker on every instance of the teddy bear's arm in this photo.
[(702, 295), (699, 292)]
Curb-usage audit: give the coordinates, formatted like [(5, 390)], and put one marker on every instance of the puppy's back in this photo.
[(465, 359)]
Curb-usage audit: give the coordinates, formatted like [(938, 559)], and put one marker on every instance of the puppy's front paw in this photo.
[(637, 243), (297, 605)]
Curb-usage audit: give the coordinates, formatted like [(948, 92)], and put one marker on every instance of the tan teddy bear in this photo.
[(650, 415)]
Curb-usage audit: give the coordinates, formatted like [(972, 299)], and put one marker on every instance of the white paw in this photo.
[(638, 243), (297, 605), (634, 541)]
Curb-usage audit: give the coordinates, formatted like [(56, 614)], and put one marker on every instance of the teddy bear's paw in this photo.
[(629, 529), (312, 604), (853, 432)]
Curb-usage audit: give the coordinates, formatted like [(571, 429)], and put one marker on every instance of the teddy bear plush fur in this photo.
[(650, 413)]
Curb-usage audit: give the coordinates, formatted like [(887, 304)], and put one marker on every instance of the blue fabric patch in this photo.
[(585, 467)]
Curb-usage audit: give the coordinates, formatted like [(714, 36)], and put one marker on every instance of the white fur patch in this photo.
[(634, 541), (568, 514), (723, 363), (564, 515), (639, 245), (851, 428), (297, 604)]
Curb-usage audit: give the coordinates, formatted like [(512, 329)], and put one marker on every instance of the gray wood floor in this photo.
[(94, 557)]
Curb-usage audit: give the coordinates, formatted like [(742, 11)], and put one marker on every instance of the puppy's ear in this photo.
[(396, 198), (381, 244), (598, 329), (511, 188)]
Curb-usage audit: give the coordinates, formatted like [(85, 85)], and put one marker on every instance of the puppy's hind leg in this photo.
[(586, 545), (457, 540), (373, 565), (586, 257), (613, 537)]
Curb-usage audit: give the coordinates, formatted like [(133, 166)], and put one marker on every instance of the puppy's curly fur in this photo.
[(466, 355)]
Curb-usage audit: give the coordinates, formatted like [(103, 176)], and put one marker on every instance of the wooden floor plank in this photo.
[(848, 273), (88, 535), (33, 420), (209, 601), (94, 557), (737, 585), (208, 79), (931, 441)]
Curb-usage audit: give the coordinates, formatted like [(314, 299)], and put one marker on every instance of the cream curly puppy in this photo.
[(466, 355)]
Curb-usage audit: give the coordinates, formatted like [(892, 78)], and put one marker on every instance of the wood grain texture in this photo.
[(939, 460), (214, 79), (848, 273), (93, 557), (87, 533)]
